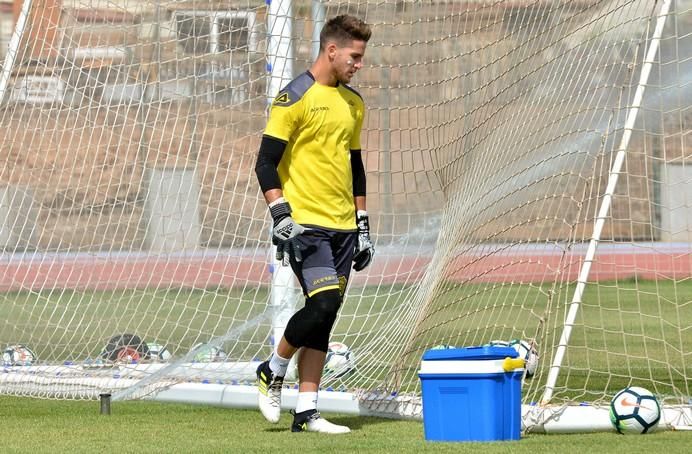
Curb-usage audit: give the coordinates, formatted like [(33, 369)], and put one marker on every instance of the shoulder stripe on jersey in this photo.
[(295, 90), (353, 90)]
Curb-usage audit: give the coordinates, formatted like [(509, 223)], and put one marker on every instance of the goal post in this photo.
[(621, 153), (11, 52), (528, 173)]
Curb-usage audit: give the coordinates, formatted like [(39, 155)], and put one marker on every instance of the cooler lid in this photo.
[(470, 354)]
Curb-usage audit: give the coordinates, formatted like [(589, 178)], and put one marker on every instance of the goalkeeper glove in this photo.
[(364, 248), (285, 232)]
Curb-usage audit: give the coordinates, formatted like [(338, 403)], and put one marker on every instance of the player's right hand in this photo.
[(285, 236), (285, 232)]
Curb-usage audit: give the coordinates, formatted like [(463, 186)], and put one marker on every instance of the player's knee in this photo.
[(311, 326), (324, 306)]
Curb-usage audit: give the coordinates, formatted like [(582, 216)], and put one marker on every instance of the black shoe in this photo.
[(312, 421), (269, 392)]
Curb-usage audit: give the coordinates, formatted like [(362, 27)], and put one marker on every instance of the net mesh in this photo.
[(129, 205)]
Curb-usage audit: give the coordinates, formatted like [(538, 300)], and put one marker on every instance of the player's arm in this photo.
[(364, 247), (359, 184), (284, 118), (285, 229), (268, 159)]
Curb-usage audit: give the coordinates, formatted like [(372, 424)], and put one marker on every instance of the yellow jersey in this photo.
[(320, 125)]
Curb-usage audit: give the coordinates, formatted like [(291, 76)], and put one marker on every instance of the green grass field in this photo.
[(628, 332), (32, 425)]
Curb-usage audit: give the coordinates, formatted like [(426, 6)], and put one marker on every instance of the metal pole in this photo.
[(285, 291), (105, 403), (13, 49), (280, 46), (319, 14), (387, 213)]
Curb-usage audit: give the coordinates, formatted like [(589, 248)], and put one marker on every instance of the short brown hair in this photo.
[(343, 29)]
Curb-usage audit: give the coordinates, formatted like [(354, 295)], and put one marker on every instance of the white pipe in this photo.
[(535, 419), (280, 65), (587, 418), (550, 420), (245, 396), (285, 295), (13, 49), (214, 35), (319, 14), (280, 46), (285, 292), (605, 204)]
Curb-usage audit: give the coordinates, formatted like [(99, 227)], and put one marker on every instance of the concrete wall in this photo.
[(172, 210), (17, 218), (676, 203)]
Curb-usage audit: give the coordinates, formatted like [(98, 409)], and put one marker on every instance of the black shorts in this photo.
[(327, 257)]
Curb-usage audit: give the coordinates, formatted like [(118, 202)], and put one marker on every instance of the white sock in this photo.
[(306, 401), (278, 365)]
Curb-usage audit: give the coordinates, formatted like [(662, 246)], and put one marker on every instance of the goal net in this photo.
[(528, 169)]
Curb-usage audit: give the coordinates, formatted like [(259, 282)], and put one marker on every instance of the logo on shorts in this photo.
[(342, 285), (323, 280)]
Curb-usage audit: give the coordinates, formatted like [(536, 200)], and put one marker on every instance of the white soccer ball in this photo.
[(158, 353), (18, 355), (339, 361), (497, 343), (634, 410), (125, 348), (527, 351), (208, 354), (442, 347)]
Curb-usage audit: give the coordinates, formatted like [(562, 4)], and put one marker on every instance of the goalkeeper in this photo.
[(311, 172)]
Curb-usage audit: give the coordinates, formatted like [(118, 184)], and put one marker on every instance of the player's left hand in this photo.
[(364, 247)]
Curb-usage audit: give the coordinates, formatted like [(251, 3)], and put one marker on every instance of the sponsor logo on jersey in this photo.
[(282, 98)]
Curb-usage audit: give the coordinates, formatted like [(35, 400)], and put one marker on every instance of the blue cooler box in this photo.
[(471, 394)]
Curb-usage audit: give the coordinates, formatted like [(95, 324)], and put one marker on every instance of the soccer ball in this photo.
[(158, 353), (528, 353), (441, 347), (634, 410), (497, 343), (339, 361), (18, 355), (125, 348), (208, 354)]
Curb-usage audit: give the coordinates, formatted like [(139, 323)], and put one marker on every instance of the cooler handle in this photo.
[(509, 364)]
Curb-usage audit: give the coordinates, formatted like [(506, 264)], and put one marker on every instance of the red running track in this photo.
[(231, 270)]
